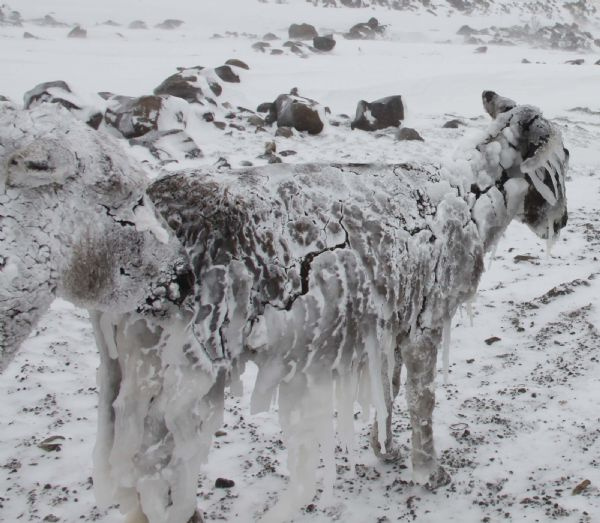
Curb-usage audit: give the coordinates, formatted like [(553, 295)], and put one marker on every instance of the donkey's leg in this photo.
[(159, 410), (420, 360), (392, 452)]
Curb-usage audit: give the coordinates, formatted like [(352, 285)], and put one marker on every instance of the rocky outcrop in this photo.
[(298, 112), (366, 31), (302, 32), (382, 113)]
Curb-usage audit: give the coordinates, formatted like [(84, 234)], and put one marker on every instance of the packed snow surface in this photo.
[(517, 424)]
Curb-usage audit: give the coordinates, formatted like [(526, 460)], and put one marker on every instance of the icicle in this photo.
[(469, 306), (551, 240), (446, 347), (492, 258)]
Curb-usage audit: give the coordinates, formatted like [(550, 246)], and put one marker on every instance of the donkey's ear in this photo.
[(42, 162)]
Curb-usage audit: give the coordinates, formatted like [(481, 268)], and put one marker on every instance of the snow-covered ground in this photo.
[(518, 425)]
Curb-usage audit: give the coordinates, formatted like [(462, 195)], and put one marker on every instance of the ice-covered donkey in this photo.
[(328, 277)]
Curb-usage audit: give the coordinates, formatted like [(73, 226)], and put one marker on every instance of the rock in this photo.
[(52, 444), (237, 63), (246, 163), (288, 153), (302, 32), (220, 433), (581, 487), (27, 35), (51, 518), (366, 31), (578, 61), (264, 107), (220, 125), (275, 159), (525, 61), (138, 24), (224, 483), (481, 50), (408, 134), (495, 104), (269, 37), (49, 21), (292, 110), (276, 52), (169, 23), (597, 63), (111, 23), (261, 46), (382, 113), (453, 124), (77, 32), (184, 84), (59, 92), (284, 132), (4, 99), (466, 30), (226, 74), (324, 43), (134, 117), (169, 146), (492, 340), (255, 120)]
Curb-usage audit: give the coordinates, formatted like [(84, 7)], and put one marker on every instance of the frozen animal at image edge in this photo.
[(329, 277)]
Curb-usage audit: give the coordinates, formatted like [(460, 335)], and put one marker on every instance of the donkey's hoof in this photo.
[(438, 478), (196, 518)]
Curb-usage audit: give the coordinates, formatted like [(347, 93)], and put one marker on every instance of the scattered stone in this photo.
[(382, 113), (169, 23), (264, 107), (284, 132), (453, 124), (288, 152), (51, 518), (183, 84), (224, 483), (302, 32), (77, 32), (275, 159), (269, 37), (246, 163), (481, 50), (59, 92), (138, 24), (408, 134), (237, 63), (134, 117), (270, 147), (578, 61), (525, 258), (220, 125), (525, 61), (366, 31), (255, 120), (276, 52), (581, 487), (51, 444), (220, 433), (292, 110), (27, 36), (324, 43), (492, 340), (261, 46), (111, 23), (49, 21), (226, 74)]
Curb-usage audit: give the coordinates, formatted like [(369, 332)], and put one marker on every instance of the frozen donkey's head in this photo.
[(521, 169), (75, 222)]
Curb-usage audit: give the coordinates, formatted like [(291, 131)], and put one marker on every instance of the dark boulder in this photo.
[(291, 110), (382, 113), (261, 46), (408, 134), (302, 32), (453, 124), (59, 92), (324, 43), (366, 31), (169, 23), (577, 61), (226, 74), (481, 50), (237, 63), (29, 36), (77, 32), (183, 84), (270, 37), (134, 117), (264, 107)]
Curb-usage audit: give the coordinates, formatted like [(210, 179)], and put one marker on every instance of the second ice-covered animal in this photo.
[(328, 277)]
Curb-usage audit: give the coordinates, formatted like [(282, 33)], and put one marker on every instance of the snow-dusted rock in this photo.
[(329, 277), (302, 32), (298, 112), (382, 113), (366, 31)]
